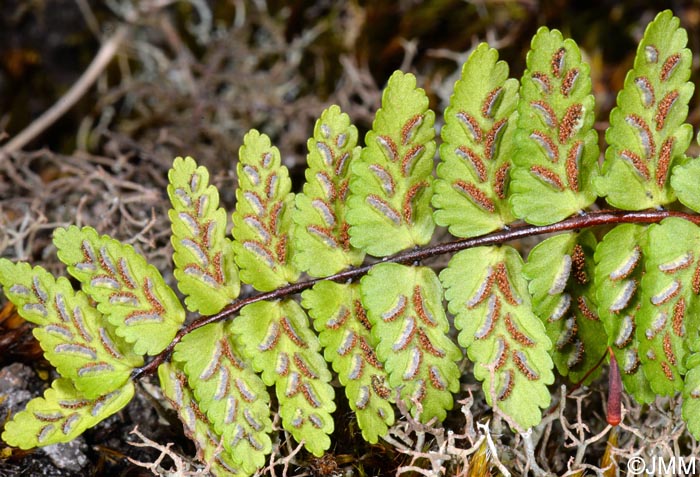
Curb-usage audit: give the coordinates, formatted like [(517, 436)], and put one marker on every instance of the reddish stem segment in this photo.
[(581, 221), (614, 392)]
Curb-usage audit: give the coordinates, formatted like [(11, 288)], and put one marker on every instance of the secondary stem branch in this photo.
[(418, 254)]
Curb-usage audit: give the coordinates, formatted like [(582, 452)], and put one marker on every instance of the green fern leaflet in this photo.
[(508, 344), (76, 338), (210, 448), (647, 134), (62, 415), (391, 187), (322, 243), (409, 327), (669, 287), (204, 266), (619, 270), (129, 292), (262, 222), (345, 334), (276, 338), (561, 270), (557, 149), (472, 187), (233, 398)]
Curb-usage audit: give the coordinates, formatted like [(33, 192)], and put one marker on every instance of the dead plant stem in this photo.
[(92, 73)]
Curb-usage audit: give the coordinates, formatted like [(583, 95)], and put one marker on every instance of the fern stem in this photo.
[(592, 219)]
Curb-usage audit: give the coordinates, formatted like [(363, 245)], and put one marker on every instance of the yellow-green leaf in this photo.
[(204, 267), (130, 293)]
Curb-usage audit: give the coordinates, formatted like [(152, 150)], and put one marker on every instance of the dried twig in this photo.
[(99, 63), (182, 467)]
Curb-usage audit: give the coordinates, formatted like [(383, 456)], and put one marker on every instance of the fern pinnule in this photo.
[(262, 221), (321, 241), (560, 271), (131, 294), (556, 158), (473, 176), (409, 327), (204, 267), (345, 334), (647, 136), (276, 338), (391, 185), (62, 414), (198, 429), (669, 288), (228, 392), (620, 266), (488, 295), (76, 338)]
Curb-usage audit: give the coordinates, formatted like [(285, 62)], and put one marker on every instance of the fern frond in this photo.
[(472, 185), (508, 344), (345, 334), (198, 429), (275, 337), (620, 266), (511, 150), (231, 395), (557, 148), (204, 267), (391, 186), (321, 241), (62, 414), (409, 327), (560, 270), (75, 337), (647, 136), (262, 221), (130, 293)]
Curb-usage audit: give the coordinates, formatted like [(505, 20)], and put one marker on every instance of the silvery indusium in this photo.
[(510, 151)]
